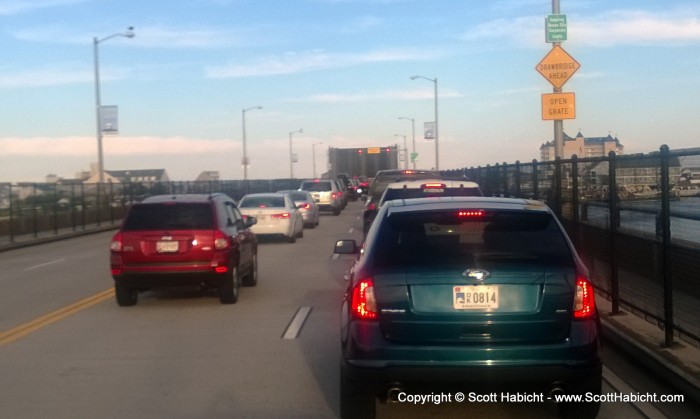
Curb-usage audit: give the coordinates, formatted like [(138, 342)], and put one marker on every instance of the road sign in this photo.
[(555, 28), (556, 106), (557, 66), (414, 157), (373, 150)]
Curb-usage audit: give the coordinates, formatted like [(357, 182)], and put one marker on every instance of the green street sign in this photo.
[(414, 157), (555, 28)]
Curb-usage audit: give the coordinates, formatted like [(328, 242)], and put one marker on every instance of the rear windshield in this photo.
[(298, 196), (169, 216), (447, 238), (429, 192), (380, 183), (262, 202), (316, 186)]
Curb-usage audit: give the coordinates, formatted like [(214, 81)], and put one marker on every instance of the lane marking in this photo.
[(294, 327), (41, 265), (351, 230), (617, 383), (47, 319)]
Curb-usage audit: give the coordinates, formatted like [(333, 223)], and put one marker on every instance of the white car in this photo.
[(276, 215)]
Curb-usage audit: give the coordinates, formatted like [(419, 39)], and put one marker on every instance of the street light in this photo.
[(244, 159), (291, 156), (435, 81), (313, 156), (405, 150), (129, 33), (413, 129)]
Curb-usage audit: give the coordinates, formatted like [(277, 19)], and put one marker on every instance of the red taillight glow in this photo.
[(116, 244), (433, 186), (221, 241), (471, 213), (371, 207), (364, 306), (221, 269), (584, 303), (334, 196), (282, 216), (304, 206)]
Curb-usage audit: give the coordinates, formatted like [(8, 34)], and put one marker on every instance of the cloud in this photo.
[(115, 146), (15, 7), (316, 60), (602, 30), (415, 94)]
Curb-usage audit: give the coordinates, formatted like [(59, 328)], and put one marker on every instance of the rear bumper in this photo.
[(169, 279), (378, 363)]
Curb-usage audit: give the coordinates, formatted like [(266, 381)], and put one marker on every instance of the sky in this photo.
[(340, 70)]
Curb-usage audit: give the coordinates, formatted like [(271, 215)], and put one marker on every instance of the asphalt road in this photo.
[(68, 351)]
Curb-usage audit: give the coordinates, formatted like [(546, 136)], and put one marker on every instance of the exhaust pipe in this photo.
[(556, 389), (392, 394)]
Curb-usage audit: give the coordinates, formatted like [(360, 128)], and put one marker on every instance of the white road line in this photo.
[(351, 230), (617, 383), (31, 268), (297, 323)]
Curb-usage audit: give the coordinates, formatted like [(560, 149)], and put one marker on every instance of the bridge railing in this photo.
[(635, 220)]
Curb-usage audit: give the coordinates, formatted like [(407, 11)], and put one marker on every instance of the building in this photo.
[(582, 147), (209, 175)]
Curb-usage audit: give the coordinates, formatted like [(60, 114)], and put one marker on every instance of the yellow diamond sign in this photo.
[(557, 66)]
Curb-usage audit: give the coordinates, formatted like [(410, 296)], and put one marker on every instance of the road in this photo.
[(68, 351)]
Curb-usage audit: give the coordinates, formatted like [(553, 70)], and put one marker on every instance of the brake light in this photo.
[(371, 207), (584, 303), (364, 306), (409, 172), (471, 213), (282, 216), (334, 196), (221, 241), (304, 206), (116, 244), (433, 186)]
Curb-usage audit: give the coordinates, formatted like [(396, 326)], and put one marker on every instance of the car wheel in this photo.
[(355, 402), (251, 279), (301, 232), (126, 296), (228, 290)]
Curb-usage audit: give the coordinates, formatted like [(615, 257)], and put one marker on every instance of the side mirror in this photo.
[(250, 221), (346, 247)]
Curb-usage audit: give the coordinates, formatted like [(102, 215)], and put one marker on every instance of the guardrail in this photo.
[(635, 219)]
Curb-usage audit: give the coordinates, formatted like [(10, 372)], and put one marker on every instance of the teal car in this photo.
[(467, 294)]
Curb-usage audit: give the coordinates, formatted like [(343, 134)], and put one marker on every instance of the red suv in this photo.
[(179, 240)]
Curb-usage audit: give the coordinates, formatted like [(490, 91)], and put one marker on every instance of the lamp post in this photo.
[(129, 33), (435, 81), (405, 151), (413, 130), (291, 155), (244, 159), (313, 156)]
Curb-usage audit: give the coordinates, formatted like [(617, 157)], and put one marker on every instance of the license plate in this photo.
[(167, 246), (475, 297)]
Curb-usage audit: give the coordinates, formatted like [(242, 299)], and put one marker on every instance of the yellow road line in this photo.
[(47, 319)]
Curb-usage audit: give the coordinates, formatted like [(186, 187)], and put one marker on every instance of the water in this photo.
[(636, 222)]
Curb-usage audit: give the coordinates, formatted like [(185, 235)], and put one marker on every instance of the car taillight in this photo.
[(584, 303), (471, 214), (221, 241), (283, 216), (305, 206), (117, 244), (433, 186), (371, 207), (334, 196), (364, 306)]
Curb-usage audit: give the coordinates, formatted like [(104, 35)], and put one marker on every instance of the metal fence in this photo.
[(635, 220), (32, 210)]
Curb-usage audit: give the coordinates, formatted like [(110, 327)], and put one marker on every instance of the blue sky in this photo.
[(338, 69)]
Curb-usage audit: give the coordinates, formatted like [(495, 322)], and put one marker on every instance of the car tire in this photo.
[(126, 296), (228, 289), (301, 233), (251, 279), (355, 401)]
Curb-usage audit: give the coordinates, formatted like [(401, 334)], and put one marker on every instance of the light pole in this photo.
[(413, 130), (405, 151), (244, 159), (435, 81), (129, 33), (313, 156), (291, 155)]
